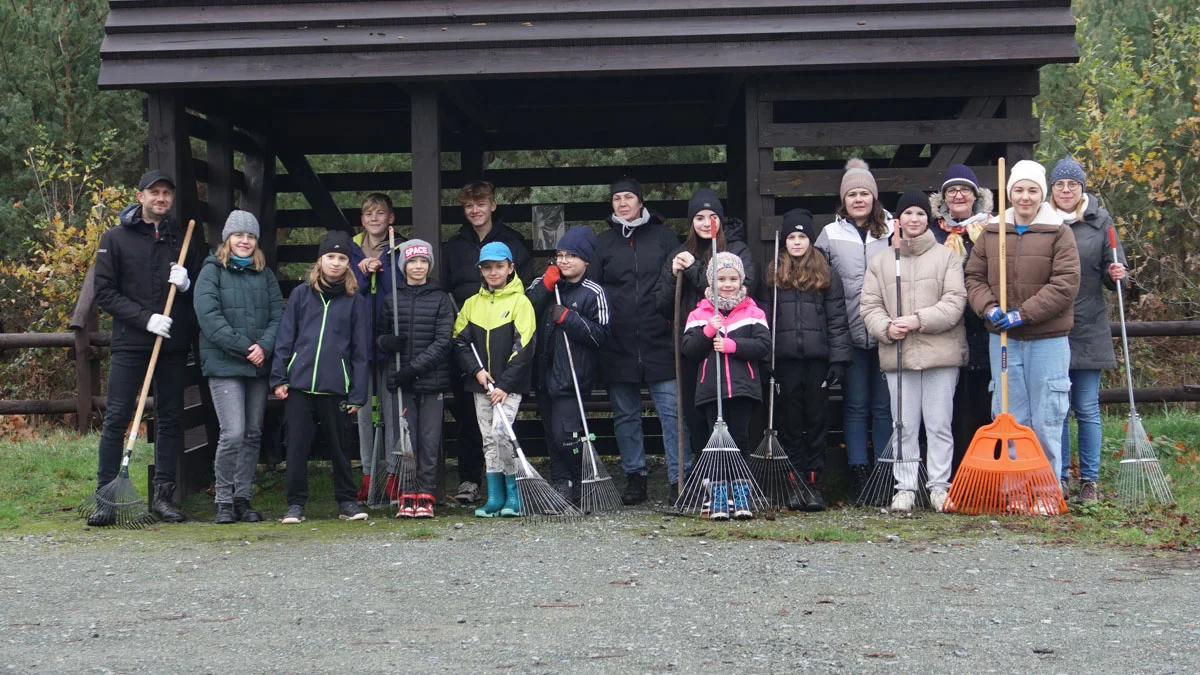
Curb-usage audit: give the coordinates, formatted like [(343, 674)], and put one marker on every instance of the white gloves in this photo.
[(179, 277), (160, 324)]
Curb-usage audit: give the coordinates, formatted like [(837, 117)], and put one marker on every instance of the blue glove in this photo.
[(1010, 320), (995, 315)]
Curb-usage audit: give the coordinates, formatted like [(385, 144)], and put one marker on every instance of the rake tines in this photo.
[(597, 491), (721, 484), (117, 503), (899, 469), (1140, 477), (773, 470), (538, 498), (377, 494)]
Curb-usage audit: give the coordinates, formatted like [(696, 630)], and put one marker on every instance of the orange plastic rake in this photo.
[(1005, 469)]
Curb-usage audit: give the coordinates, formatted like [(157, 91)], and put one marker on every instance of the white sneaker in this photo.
[(937, 498), (904, 500), (468, 493)]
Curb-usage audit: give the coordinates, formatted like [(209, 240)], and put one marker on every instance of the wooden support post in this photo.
[(168, 149), (759, 159), (259, 196), (426, 167), (1018, 107), (220, 176), (736, 179), (313, 190)]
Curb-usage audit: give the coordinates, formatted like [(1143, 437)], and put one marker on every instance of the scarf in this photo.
[(331, 290), (628, 226), (240, 261), (1071, 216), (955, 230), (725, 304)]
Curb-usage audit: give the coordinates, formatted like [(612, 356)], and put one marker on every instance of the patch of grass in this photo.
[(41, 482)]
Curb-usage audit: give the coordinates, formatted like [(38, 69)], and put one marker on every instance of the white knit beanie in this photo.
[(1027, 169)]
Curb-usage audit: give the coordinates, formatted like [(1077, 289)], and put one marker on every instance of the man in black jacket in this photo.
[(460, 278), (135, 265), (639, 349)]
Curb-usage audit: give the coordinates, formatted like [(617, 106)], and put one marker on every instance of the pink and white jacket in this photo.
[(741, 376)]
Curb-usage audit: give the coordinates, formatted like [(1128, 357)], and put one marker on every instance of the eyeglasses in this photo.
[(959, 192), (564, 257), (1067, 186)]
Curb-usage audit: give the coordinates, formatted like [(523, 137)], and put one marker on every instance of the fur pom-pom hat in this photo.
[(858, 175)]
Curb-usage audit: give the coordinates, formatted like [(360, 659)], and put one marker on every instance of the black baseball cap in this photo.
[(154, 176)]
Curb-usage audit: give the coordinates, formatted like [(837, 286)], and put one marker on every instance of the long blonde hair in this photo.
[(258, 261), (313, 278), (809, 272)]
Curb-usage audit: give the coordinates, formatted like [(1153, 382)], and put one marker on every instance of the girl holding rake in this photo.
[(812, 346)]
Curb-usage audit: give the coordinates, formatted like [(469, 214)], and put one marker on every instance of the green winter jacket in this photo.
[(237, 307)]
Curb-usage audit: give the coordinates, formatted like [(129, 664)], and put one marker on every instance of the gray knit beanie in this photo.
[(240, 221), (416, 248)]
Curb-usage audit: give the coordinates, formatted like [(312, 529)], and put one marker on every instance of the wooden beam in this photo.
[(875, 85), (835, 134), (426, 167), (828, 181), (220, 176), (727, 94), (979, 107), (471, 105), (259, 196), (1019, 108), (314, 191)]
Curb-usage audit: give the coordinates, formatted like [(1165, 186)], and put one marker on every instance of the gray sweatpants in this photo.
[(240, 403), (424, 413), (928, 397)]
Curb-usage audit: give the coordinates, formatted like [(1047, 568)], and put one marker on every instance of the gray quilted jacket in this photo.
[(848, 254)]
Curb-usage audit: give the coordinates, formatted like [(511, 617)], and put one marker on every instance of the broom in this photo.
[(1005, 469), (406, 463), (119, 499), (721, 476), (1140, 475), (597, 492), (769, 463), (894, 467), (538, 498)]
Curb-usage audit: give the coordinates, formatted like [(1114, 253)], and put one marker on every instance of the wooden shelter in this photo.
[(241, 95)]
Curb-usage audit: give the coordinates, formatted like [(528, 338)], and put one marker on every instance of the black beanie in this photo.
[(705, 199), (798, 220), (626, 184), (915, 198), (335, 241)]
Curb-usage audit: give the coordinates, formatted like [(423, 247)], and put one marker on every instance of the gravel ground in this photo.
[(602, 597)]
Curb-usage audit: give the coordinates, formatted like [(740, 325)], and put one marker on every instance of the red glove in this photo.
[(551, 277)]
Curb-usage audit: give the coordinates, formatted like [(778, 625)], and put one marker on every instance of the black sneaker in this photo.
[(244, 512), (673, 494), (349, 510), (225, 515), (635, 489), (294, 515)]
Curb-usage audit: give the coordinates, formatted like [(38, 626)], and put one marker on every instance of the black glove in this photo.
[(837, 372), (391, 343), (558, 313), (400, 378)]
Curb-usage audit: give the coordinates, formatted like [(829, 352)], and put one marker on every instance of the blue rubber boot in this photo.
[(512, 507), (495, 499)]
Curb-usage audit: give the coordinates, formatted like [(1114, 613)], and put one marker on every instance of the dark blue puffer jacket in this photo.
[(324, 345), (585, 325)]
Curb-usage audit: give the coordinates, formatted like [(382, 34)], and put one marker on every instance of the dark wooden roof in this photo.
[(152, 44)]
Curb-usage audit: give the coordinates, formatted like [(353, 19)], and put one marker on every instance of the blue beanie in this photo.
[(1068, 169), (960, 174), (579, 241), (494, 251)]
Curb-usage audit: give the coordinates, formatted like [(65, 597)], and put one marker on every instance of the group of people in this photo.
[(373, 318)]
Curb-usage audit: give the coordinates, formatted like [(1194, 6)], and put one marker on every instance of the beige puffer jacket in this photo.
[(931, 286)]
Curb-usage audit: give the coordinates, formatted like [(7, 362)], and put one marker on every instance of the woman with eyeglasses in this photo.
[(688, 265), (1091, 338), (962, 209)]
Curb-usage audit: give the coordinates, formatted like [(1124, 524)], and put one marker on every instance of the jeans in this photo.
[(865, 393), (240, 403), (126, 371), (928, 398), (1085, 402), (626, 399), (1039, 389)]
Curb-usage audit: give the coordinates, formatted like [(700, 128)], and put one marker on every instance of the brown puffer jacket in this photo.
[(931, 286), (1043, 275)]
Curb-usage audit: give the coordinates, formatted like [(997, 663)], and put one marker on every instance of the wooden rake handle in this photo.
[(1002, 230), (158, 340)]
